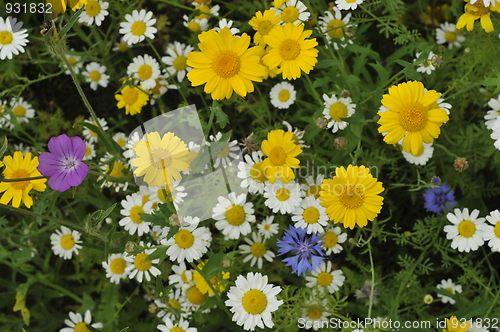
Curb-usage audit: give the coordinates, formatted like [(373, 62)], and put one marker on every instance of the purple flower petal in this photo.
[(58, 182), (49, 163)]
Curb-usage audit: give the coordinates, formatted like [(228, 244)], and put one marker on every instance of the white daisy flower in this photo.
[(223, 153), (496, 134), (492, 116), (427, 67), (95, 74), (194, 24), (348, 4), (158, 232), (256, 250), (252, 301), (206, 11), (310, 215), (77, 323), (177, 197), (337, 109), (194, 299), (176, 60), (131, 143), (139, 267), (466, 231), (326, 277), (174, 300), (292, 11), (145, 69), (181, 276), (116, 267), (95, 10), (12, 37), (132, 208), (282, 197), (334, 27), (3, 109), (65, 242), (89, 151), (282, 95), (422, 158), (21, 147), (189, 243), (233, 215), (120, 139), (332, 240), (254, 178), (22, 111), (139, 25), (114, 177), (121, 46), (267, 228), (74, 61), (298, 134), (477, 327), (448, 33), (450, 287), (485, 2), (227, 24), (314, 312), (492, 233), (313, 185), (91, 136), (160, 88)]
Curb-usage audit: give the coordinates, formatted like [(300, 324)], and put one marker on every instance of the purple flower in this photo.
[(439, 199), (63, 164), (304, 247)]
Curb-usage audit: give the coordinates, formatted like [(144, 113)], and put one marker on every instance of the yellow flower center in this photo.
[(350, 1), (134, 214), (184, 239), (224, 152), (20, 174), (477, 9), (290, 49), (314, 313), (311, 215), (313, 191), (338, 110), (19, 111), (496, 230), (204, 9), (449, 289), (174, 304), (278, 156), (334, 29), (267, 227), (138, 28), (6, 37), (67, 241), (95, 76), (284, 95), (413, 117), (254, 302), (235, 215), (466, 228), (194, 296), (140, 264), (184, 277), (81, 327), (331, 240), (121, 142), (118, 265), (258, 249), (180, 63), (88, 151), (325, 279), (352, 197), (144, 72), (72, 60), (130, 95), (93, 8), (117, 171), (226, 64), (257, 174), (290, 14), (123, 47), (283, 194), (177, 329), (194, 26), (160, 158), (450, 36), (265, 27)]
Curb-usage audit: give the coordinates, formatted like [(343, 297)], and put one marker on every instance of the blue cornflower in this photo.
[(304, 246), (439, 199)]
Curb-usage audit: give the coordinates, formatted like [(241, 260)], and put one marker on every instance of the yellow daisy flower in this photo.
[(133, 99), (263, 24), (218, 281), (281, 150), (477, 11), (290, 50), (413, 115), (455, 325), (20, 167), (225, 64), (160, 159), (351, 197), (59, 6)]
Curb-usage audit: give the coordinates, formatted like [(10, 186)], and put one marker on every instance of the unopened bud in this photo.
[(466, 50), (321, 122), (428, 299), (152, 308), (351, 240), (345, 93), (174, 221), (437, 61), (436, 180), (349, 32), (460, 164), (108, 220), (226, 262), (340, 143), (130, 247)]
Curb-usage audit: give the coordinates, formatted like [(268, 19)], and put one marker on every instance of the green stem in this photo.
[(24, 179), (372, 289)]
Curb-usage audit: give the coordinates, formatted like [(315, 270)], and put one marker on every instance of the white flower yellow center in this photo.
[(19, 111), (81, 327), (311, 215), (450, 36), (334, 29), (177, 329), (338, 110), (145, 72), (134, 214), (284, 95), (258, 249), (180, 63), (449, 289), (267, 227), (313, 191), (95, 76), (235, 215), (314, 312), (466, 228), (88, 151), (121, 142), (67, 241), (290, 14), (257, 174), (331, 240), (283, 194), (93, 8), (254, 302), (325, 279), (194, 26), (140, 264), (496, 230), (6, 37), (194, 296), (138, 28), (184, 239), (118, 265)]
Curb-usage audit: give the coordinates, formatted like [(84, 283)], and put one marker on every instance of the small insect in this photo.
[(46, 27)]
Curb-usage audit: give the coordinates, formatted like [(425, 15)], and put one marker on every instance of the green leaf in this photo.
[(171, 232), (125, 329), (381, 71), (4, 147), (327, 63), (403, 63), (71, 22), (222, 118), (352, 79), (412, 74), (112, 148), (160, 252), (321, 82), (20, 305), (490, 81)]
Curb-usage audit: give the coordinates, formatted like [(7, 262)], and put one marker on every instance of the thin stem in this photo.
[(372, 288), (24, 179)]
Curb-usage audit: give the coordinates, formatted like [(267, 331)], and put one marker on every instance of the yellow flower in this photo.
[(413, 115), (133, 99), (281, 150), (60, 5), (454, 325), (160, 159), (218, 281), (477, 11), (225, 64), (351, 197), (263, 24), (20, 167), (291, 50)]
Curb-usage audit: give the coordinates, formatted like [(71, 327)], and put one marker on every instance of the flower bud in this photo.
[(174, 221), (226, 262), (321, 122), (340, 143), (130, 247), (460, 164), (152, 308), (437, 61), (345, 93), (428, 299), (436, 180)]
